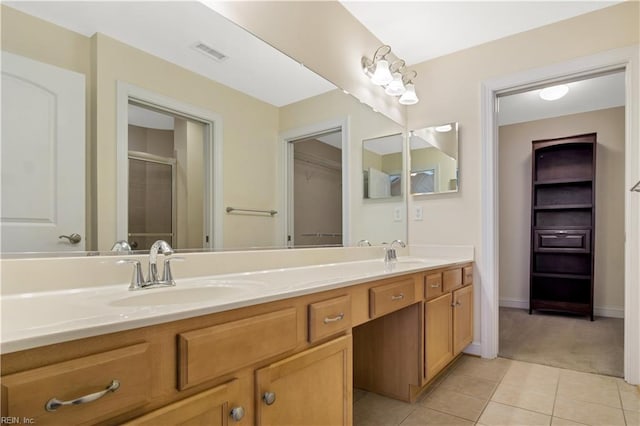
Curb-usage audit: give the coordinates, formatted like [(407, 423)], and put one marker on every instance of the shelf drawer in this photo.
[(211, 352), (573, 241), (329, 317), (27, 393), (391, 297), (433, 285), (452, 279)]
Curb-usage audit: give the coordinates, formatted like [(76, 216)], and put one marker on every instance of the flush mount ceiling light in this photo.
[(395, 79), (554, 92)]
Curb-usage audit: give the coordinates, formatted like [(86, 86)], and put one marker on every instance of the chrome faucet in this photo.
[(121, 246), (137, 280), (390, 254), (363, 243), (162, 247)]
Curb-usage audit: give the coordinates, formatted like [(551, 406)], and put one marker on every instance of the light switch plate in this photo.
[(417, 213), (397, 214)]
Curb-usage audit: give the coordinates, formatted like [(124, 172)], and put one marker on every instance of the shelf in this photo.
[(564, 207), (567, 276), (561, 181)]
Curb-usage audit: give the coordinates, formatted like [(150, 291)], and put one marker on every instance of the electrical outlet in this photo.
[(417, 213), (397, 214)]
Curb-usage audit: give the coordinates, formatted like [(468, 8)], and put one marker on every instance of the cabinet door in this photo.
[(462, 318), (310, 388), (438, 335), (211, 408)]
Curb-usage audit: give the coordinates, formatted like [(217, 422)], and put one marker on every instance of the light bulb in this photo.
[(396, 87), (382, 76), (409, 97)]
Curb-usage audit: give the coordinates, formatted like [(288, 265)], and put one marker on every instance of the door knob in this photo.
[(73, 238), (237, 413), (269, 398)]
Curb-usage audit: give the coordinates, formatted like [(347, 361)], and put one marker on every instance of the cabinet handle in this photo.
[(53, 404), (398, 297), (237, 413), (456, 304), (435, 285), (269, 398), (337, 318)]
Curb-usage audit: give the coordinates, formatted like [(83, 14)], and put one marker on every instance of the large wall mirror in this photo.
[(434, 159), (190, 55)]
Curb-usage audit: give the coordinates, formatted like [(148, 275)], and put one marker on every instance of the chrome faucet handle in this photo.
[(137, 279), (167, 277), (363, 243), (121, 246), (399, 242)]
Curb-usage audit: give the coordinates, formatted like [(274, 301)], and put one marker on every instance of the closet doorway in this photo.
[(317, 190), (549, 337)]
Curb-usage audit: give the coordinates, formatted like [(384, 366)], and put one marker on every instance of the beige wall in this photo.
[(515, 202), (189, 143), (371, 219)]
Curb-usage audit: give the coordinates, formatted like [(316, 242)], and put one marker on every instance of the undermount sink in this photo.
[(216, 290)]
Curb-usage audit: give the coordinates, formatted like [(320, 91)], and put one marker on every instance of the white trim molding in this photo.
[(626, 59), (600, 311), (214, 210)]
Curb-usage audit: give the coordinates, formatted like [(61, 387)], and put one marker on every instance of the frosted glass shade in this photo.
[(382, 76), (409, 97), (396, 87)]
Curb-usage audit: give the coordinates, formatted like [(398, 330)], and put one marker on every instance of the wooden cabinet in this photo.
[(391, 297), (448, 322), (311, 388), (462, 318), (329, 317), (36, 393), (214, 407), (438, 328), (563, 224)]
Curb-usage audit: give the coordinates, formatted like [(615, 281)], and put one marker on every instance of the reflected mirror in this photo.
[(382, 166), (201, 65), (434, 159)]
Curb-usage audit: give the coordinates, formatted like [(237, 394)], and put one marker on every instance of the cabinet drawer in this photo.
[(433, 285), (451, 279), (467, 275), (213, 351), (391, 297), (575, 241), (26, 394), (329, 317)]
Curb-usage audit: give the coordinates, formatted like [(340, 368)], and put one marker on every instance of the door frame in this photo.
[(214, 210), (286, 174), (626, 59)]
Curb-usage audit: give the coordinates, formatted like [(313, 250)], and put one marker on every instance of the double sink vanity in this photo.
[(280, 345)]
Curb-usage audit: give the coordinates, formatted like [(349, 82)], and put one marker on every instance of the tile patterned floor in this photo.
[(507, 393)]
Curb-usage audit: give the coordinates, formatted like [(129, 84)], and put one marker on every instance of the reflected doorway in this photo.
[(166, 175), (317, 190)]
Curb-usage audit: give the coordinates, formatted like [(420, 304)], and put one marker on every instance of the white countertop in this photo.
[(45, 317)]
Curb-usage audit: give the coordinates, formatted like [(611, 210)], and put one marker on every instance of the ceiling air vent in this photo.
[(210, 52)]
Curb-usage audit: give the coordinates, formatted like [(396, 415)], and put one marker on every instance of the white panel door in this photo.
[(43, 156)]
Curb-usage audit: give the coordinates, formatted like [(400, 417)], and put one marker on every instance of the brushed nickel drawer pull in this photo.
[(435, 285), (398, 297), (53, 404), (337, 318)]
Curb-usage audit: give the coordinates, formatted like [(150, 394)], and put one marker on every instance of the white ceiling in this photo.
[(422, 30), (416, 30)]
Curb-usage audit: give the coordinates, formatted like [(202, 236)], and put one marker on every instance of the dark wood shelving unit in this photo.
[(563, 224)]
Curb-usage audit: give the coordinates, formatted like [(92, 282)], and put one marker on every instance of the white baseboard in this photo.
[(473, 349), (600, 311)]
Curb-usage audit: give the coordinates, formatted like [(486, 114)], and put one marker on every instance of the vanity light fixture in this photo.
[(395, 79), (554, 92)]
